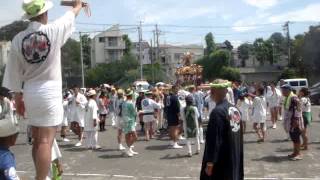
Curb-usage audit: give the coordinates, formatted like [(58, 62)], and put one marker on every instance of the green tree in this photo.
[(229, 73), (229, 45), (244, 53), (289, 73), (122, 72), (9, 31), (263, 51), (86, 50), (311, 50), (127, 43), (210, 44), (213, 64)]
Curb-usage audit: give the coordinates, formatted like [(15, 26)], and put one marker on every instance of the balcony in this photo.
[(114, 46)]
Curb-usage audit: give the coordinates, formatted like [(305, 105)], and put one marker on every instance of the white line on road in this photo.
[(151, 177)]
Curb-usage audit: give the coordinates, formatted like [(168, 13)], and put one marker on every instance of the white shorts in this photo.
[(43, 102), (119, 122)]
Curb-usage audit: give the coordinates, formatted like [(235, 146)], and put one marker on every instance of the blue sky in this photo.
[(235, 20)]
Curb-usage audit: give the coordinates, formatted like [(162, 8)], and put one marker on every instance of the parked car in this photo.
[(315, 97), (296, 84), (315, 94), (141, 85)]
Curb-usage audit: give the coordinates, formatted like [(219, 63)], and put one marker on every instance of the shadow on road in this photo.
[(157, 147), (284, 150), (177, 156), (76, 149), (272, 159), (115, 156)]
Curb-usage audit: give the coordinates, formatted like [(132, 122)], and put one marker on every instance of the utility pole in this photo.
[(81, 58), (286, 29), (140, 49), (152, 62), (157, 42)]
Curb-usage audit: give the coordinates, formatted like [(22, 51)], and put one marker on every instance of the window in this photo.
[(113, 55), (303, 83), (113, 41), (102, 39), (177, 56), (294, 83)]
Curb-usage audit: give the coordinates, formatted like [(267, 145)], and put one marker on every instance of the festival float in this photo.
[(188, 73)]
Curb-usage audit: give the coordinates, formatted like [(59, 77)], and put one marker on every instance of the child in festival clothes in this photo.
[(259, 114), (244, 105), (149, 107), (306, 114), (8, 135), (190, 118), (91, 121), (129, 122)]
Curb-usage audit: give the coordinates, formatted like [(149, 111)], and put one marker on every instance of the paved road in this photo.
[(156, 161)]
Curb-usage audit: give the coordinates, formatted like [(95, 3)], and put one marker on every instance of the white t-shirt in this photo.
[(274, 98), (305, 104), (230, 96), (211, 104), (91, 114), (149, 106), (78, 111), (35, 60), (244, 107), (259, 110)]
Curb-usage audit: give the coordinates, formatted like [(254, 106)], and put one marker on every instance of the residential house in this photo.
[(145, 51), (171, 56), (107, 46)]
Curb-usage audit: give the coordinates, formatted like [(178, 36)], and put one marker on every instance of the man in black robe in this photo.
[(223, 155)]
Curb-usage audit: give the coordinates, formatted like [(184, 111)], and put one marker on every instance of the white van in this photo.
[(141, 85), (296, 84)]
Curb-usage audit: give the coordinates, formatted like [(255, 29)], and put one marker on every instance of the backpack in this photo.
[(190, 121)]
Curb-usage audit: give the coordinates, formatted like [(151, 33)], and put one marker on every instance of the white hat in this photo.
[(8, 127), (34, 8), (91, 92)]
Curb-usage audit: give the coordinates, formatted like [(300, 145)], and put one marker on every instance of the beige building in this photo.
[(4, 52), (254, 71), (171, 56), (145, 51), (107, 46)]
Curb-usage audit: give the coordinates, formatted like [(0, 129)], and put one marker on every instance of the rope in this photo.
[(87, 9)]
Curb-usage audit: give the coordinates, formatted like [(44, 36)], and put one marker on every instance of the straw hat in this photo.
[(91, 92), (129, 92), (34, 8), (8, 127), (120, 91)]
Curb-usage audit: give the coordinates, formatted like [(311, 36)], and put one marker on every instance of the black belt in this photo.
[(150, 113)]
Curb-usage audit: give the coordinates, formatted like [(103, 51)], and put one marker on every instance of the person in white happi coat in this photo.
[(91, 121), (274, 102), (78, 105), (149, 108), (34, 66), (66, 116)]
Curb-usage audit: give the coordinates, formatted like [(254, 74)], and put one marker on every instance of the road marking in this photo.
[(151, 177), (123, 176)]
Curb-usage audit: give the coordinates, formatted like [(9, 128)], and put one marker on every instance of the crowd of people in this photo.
[(33, 75), (176, 110)]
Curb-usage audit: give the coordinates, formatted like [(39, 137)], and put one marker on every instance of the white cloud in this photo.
[(309, 13), (249, 23), (167, 12), (236, 43), (262, 4)]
